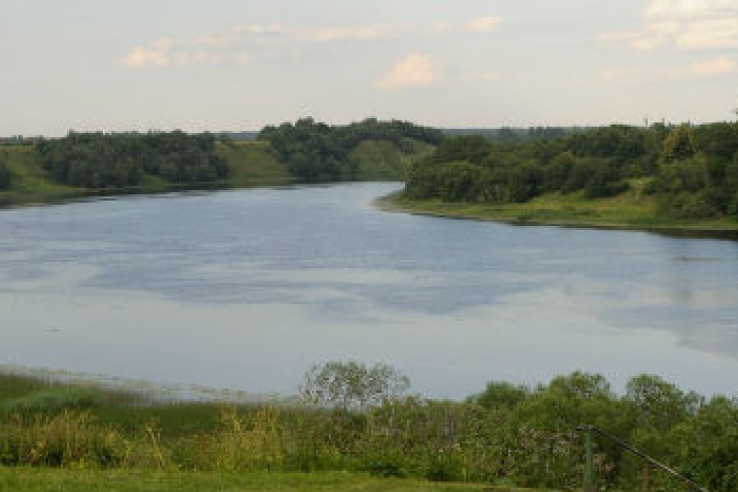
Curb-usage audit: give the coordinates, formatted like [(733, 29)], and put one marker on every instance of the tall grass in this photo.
[(526, 439)]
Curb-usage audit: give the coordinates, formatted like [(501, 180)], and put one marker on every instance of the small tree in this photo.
[(352, 385), (679, 145)]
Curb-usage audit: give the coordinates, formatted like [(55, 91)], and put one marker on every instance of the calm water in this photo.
[(246, 289)]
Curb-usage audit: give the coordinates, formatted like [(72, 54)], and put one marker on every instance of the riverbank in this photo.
[(624, 212), (251, 164)]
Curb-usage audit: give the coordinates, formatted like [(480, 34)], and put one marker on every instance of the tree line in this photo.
[(99, 160), (315, 151), (694, 167)]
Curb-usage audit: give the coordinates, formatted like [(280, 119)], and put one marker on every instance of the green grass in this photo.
[(380, 160), (43, 480), (252, 162), (31, 183), (630, 210)]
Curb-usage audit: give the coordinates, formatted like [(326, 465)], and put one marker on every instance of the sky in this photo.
[(231, 65)]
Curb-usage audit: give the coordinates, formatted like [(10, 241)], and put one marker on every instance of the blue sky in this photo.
[(234, 65)]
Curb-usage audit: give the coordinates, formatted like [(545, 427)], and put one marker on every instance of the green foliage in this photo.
[(352, 385), (694, 171), (500, 396), (315, 151), (97, 160), (506, 434), (679, 145)]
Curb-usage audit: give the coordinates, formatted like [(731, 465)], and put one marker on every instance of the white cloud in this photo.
[(683, 24), (484, 24), (710, 34), (275, 40), (690, 9), (414, 71), (715, 67)]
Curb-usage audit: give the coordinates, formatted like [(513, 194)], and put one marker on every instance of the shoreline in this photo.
[(11, 199), (503, 214)]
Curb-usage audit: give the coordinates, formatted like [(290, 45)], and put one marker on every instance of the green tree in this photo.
[(353, 385), (679, 145)]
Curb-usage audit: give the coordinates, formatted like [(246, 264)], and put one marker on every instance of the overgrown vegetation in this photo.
[(693, 170), (365, 422)]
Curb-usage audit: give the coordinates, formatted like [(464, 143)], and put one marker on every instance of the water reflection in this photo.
[(246, 289)]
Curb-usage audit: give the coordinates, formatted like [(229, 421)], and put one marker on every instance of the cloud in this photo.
[(232, 44), (484, 24), (710, 34), (243, 43), (715, 67), (414, 71), (683, 24), (142, 56), (689, 9)]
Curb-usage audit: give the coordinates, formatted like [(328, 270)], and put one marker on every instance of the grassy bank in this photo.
[(47, 480), (630, 210), (250, 164), (384, 161)]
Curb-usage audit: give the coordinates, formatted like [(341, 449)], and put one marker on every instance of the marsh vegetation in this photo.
[(367, 421)]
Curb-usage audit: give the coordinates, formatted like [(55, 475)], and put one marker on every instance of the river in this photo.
[(245, 289)]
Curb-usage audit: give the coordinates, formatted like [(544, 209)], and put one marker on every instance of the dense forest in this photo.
[(97, 160), (693, 168), (315, 151)]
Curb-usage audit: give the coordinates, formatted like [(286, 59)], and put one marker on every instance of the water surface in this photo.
[(245, 289)]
